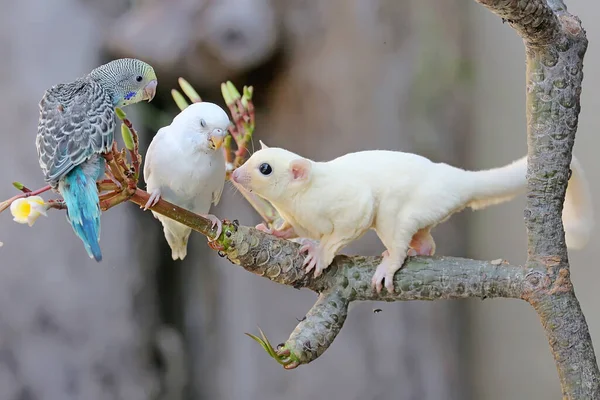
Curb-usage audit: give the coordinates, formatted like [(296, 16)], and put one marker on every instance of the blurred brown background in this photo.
[(443, 79)]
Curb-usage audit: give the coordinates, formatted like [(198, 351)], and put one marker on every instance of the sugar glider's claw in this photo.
[(389, 282), (312, 258), (154, 198), (378, 277), (383, 274), (215, 222), (263, 228)]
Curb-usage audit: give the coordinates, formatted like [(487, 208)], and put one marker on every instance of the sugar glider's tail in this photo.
[(497, 185)]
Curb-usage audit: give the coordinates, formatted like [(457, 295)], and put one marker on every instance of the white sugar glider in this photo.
[(402, 196), (185, 166)]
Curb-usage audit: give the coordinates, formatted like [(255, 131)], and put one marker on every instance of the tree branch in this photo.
[(534, 20), (348, 279), (555, 45)]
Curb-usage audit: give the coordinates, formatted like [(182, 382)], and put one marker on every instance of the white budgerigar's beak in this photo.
[(150, 90), (216, 138)]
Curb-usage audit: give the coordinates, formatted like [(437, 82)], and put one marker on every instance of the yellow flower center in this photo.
[(24, 209)]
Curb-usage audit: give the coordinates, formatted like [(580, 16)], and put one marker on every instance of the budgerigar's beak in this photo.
[(150, 90), (216, 139)]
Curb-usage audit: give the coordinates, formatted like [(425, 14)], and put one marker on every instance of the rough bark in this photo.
[(555, 45)]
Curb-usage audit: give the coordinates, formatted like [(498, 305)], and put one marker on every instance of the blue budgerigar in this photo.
[(77, 123)]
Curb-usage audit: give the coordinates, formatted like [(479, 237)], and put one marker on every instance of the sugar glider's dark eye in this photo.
[(139, 78), (265, 169)]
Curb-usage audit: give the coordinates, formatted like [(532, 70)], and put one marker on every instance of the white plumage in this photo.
[(185, 166)]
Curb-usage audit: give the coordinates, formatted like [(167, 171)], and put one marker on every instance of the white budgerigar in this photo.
[(185, 166)]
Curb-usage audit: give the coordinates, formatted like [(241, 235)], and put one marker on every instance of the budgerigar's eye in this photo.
[(265, 169), (139, 78), (203, 123)]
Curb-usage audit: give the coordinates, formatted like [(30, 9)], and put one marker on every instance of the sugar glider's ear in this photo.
[(262, 145), (300, 169)]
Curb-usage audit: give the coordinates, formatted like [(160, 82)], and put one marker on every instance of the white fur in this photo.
[(183, 170), (399, 195)]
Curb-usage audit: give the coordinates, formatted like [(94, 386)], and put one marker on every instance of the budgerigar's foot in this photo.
[(312, 260), (412, 253), (154, 198), (215, 222), (114, 180)]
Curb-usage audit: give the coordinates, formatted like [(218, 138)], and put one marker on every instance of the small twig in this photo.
[(176, 213), (5, 204), (57, 204), (266, 211), (114, 198), (116, 172), (107, 185), (136, 158)]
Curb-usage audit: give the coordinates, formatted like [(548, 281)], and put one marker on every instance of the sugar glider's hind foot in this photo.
[(383, 277), (384, 274), (421, 244)]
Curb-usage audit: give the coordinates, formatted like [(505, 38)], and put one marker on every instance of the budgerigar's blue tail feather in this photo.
[(80, 193)]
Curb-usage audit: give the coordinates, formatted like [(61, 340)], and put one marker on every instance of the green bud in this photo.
[(226, 95), (227, 141), (18, 185), (233, 92), (248, 91), (179, 99), (120, 113), (189, 91), (247, 96), (127, 137)]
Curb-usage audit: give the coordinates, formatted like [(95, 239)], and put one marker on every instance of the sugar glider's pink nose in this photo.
[(235, 175)]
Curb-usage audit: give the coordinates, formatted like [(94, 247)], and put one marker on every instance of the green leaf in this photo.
[(266, 345), (18, 185), (127, 137), (179, 99), (189, 91), (120, 113)]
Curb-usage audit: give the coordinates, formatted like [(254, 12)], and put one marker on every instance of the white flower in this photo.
[(27, 210)]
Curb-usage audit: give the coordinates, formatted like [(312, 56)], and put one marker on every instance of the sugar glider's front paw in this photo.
[(286, 233), (313, 258)]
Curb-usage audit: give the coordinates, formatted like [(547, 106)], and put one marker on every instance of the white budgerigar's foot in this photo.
[(154, 198), (215, 222)]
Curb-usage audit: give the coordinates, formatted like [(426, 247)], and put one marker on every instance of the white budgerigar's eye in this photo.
[(203, 123)]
